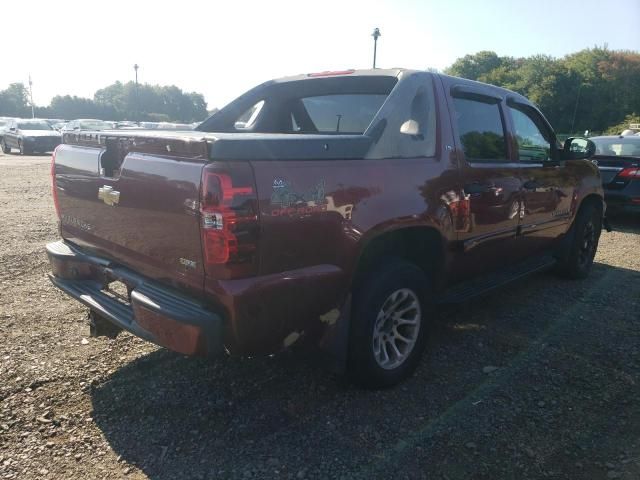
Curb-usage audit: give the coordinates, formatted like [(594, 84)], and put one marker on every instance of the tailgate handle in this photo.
[(108, 195)]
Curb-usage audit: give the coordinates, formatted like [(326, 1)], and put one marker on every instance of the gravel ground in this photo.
[(538, 380)]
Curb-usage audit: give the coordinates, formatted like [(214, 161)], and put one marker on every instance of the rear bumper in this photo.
[(626, 198), (152, 312)]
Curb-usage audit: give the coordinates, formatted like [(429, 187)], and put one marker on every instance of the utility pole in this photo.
[(137, 117), (575, 110), (376, 34), (33, 110)]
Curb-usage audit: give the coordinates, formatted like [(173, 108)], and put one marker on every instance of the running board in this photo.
[(485, 283)]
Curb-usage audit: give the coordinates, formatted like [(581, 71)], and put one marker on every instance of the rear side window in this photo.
[(343, 113), (248, 119), (480, 129)]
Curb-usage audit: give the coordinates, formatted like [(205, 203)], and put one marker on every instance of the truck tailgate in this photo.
[(144, 215)]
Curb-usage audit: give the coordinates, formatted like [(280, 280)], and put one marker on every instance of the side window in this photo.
[(534, 144), (247, 120), (480, 129)]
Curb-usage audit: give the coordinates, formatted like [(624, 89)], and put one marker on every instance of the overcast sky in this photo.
[(221, 49)]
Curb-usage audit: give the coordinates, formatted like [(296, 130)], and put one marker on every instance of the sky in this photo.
[(222, 49)]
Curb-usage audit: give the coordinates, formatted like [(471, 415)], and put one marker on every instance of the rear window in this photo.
[(343, 113), (339, 105), (617, 146)]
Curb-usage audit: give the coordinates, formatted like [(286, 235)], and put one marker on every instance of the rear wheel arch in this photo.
[(423, 246)]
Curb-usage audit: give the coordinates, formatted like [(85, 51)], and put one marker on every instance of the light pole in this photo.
[(33, 111), (135, 67), (376, 34)]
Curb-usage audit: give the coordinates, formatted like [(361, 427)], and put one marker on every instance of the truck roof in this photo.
[(378, 72)]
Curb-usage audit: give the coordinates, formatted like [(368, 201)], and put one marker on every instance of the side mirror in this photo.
[(576, 148), (76, 128), (12, 129)]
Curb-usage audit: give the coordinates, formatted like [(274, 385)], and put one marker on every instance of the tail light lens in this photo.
[(228, 209), (54, 188), (632, 172)]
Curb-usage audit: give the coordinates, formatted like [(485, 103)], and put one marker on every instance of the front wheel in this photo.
[(5, 148), (389, 325), (585, 236), (23, 150)]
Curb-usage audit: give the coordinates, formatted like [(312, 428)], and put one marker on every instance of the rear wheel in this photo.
[(389, 325), (584, 243), (5, 148)]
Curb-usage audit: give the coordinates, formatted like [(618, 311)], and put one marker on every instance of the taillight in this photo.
[(631, 172), (228, 209), (54, 188)]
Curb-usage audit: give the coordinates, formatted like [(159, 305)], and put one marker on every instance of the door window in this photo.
[(534, 144), (481, 130)]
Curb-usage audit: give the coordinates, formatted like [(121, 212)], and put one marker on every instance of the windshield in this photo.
[(616, 146), (34, 126)]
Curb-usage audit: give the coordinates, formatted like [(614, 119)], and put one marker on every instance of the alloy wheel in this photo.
[(396, 328)]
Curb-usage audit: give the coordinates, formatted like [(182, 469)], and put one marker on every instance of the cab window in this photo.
[(534, 142), (480, 129)]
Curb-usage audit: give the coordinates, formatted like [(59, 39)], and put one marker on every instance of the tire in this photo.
[(23, 150), (5, 148), (374, 332), (585, 234)]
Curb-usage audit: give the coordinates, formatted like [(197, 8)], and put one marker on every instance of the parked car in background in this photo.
[(30, 136), (174, 126), (128, 125), (618, 159), (54, 121), (87, 124), (330, 211), (3, 126)]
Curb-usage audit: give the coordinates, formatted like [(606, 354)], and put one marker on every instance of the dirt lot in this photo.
[(562, 402)]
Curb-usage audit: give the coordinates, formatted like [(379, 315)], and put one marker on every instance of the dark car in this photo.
[(618, 159), (4, 123), (30, 136), (331, 211)]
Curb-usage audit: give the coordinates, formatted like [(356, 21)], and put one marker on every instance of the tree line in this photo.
[(119, 101), (595, 89)]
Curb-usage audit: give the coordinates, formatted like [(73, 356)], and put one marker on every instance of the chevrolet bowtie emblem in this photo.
[(108, 195)]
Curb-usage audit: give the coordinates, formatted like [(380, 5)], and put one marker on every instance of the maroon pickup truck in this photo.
[(332, 211)]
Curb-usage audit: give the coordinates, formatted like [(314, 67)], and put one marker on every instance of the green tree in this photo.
[(587, 90), (14, 101), (623, 125), (474, 66)]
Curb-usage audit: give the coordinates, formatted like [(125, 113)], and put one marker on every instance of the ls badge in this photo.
[(108, 195)]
